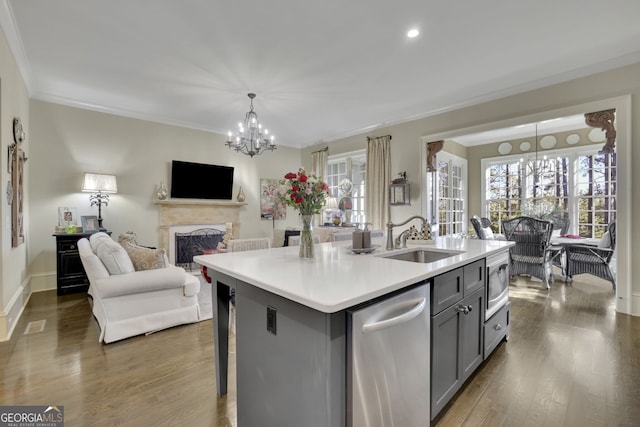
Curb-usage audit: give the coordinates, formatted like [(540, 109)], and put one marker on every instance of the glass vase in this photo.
[(241, 198), (306, 238), (162, 192)]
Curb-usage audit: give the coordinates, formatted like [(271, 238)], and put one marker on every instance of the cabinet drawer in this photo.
[(474, 275), (496, 328), (446, 290), (67, 245), (72, 285)]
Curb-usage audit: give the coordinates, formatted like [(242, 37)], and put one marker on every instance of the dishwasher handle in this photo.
[(404, 317)]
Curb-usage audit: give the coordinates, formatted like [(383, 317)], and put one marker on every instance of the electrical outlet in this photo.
[(271, 320)]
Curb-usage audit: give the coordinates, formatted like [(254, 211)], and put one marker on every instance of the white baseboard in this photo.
[(11, 315), (44, 282), (635, 304)]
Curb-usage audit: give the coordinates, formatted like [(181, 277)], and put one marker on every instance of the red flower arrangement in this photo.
[(304, 192)]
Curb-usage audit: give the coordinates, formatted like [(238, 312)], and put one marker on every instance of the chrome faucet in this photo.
[(401, 241), (390, 226)]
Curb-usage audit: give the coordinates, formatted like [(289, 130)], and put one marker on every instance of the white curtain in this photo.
[(319, 161), (378, 177)]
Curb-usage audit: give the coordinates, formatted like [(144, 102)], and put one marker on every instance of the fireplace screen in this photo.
[(194, 243)]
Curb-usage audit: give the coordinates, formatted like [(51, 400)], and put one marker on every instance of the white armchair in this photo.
[(128, 302)]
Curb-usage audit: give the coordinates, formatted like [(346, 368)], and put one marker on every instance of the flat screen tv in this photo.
[(201, 181)]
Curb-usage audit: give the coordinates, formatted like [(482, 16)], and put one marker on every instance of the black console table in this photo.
[(70, 273)]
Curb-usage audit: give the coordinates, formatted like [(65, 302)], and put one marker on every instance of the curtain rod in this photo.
[(369, 138), (320, 151)]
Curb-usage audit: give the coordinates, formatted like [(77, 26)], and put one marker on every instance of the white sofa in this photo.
[(128, 302)]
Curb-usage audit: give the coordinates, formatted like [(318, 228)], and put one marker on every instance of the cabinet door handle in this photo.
[(498, 327), (462, 309), (404, 317)]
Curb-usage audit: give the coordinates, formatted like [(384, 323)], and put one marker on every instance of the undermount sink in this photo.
[(422, 255)]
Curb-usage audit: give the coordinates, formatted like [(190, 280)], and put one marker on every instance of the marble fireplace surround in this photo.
[(178, 212)]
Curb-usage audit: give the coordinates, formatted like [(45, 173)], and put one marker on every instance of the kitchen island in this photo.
[(292, 327)]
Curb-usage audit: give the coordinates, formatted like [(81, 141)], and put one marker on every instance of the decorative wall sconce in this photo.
[(399, 191)]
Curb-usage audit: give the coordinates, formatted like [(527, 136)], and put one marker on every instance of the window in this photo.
[(447, 193), (504, 192), (351, 166), (545, 186), (596, 193), (535, 187)]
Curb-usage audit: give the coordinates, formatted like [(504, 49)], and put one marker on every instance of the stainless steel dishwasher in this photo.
[(388, 361)]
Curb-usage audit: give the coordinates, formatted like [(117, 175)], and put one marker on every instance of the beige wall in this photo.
[(407, 150), (14, 102), (66, 142)]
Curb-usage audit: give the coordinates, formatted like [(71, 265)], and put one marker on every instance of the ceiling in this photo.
[(321, 70)]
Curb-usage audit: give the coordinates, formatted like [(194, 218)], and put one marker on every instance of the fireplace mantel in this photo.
[(176, 212), (198, 202)]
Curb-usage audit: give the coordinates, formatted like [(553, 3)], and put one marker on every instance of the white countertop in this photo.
[(336, 279)]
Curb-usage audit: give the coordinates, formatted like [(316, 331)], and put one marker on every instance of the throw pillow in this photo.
[(129, 236), (145, 258), (112, 255), (605, 242), (487, 233), (556, 232)]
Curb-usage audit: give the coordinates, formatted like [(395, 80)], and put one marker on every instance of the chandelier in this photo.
[(251, 139)]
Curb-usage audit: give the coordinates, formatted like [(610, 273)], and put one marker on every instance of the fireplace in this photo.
[(186, 216)]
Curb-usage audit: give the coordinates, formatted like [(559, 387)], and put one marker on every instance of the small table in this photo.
[(70, 274), (563, 241)]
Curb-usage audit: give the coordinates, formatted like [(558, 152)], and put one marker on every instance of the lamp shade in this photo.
[(332, 203), (97, 182)]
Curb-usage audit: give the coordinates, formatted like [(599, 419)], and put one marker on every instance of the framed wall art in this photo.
[(271, 207), (17, 158)]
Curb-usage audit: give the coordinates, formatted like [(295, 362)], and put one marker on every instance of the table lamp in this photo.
[(330, 205), (101, 186)]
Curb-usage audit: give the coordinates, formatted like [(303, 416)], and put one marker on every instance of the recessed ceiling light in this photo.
[(413, 33)]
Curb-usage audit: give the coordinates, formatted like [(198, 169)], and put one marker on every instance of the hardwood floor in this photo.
[(570, 361)]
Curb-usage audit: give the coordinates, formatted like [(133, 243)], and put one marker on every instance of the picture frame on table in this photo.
[(67, 216), (90, 224)]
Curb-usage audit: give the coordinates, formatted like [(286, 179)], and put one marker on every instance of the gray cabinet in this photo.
[(457, 326), (291, 361), (496, 329)]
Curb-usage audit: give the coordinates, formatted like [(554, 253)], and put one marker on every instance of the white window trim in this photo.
[(348, 157), (432, 204)]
